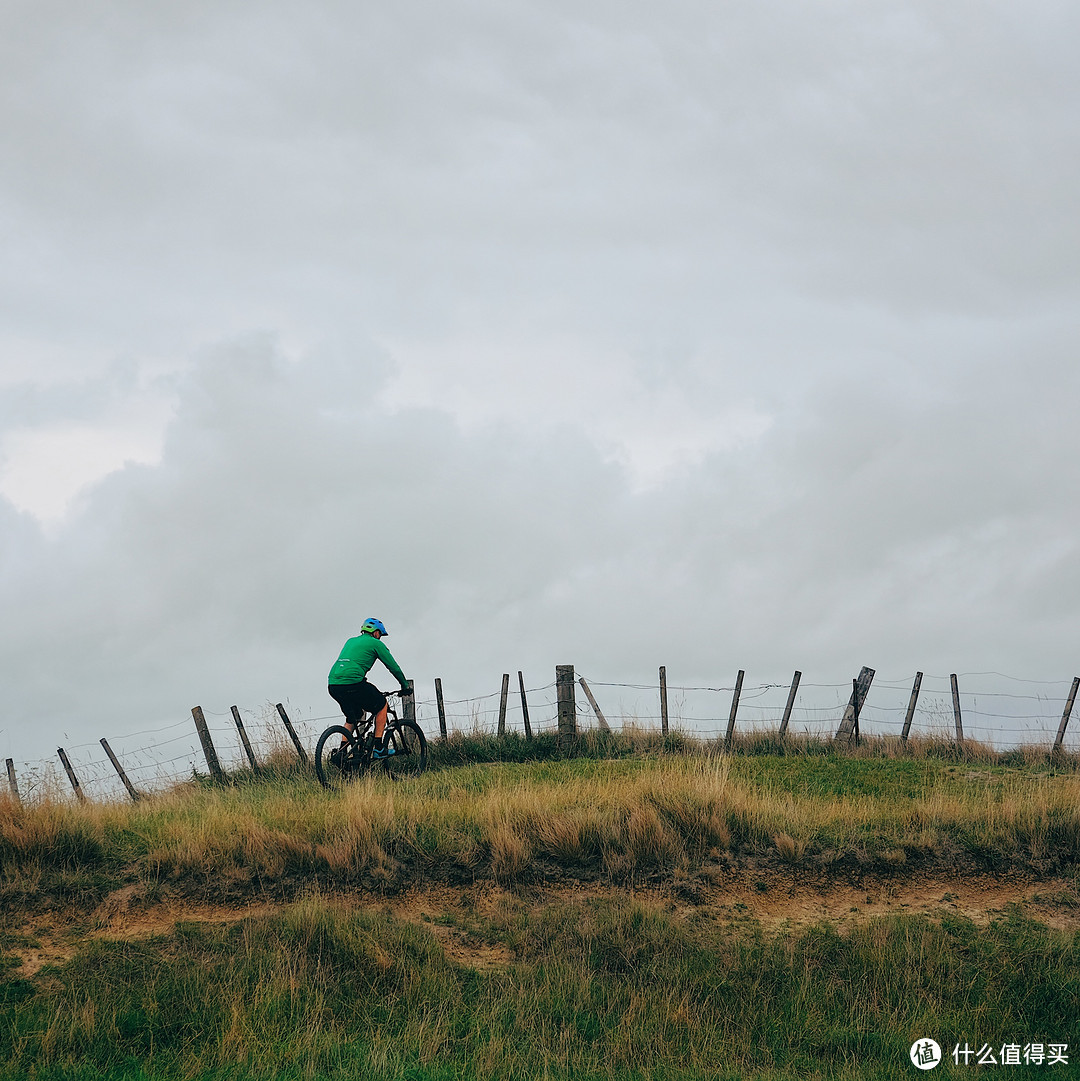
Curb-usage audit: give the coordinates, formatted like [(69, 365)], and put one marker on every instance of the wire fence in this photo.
[(998, 711), (996, 718)]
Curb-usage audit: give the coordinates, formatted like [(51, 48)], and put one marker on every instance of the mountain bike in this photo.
[(337, 762)]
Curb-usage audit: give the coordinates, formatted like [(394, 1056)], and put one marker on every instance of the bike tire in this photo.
[(333, 774), (410, 757)]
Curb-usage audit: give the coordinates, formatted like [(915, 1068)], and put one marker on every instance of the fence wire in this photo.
[(155, 759)]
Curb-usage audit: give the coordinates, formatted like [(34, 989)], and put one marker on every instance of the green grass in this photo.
[(468, 748), (594, 989), (836, 775), (625, 819), (609, 987)]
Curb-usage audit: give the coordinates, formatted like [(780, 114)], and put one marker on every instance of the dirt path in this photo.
[(1054, 902), (776, 901)]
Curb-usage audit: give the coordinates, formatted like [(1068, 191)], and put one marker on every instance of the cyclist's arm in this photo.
[(392, 666)]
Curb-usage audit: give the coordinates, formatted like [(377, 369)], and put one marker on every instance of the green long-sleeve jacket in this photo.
[(356, 658)]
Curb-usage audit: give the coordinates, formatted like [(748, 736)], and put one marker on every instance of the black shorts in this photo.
[(357, 698)]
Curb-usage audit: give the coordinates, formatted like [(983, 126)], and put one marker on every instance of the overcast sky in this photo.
[(714, 335)]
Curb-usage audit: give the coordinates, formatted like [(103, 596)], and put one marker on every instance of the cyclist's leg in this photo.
[(380, 724), (374, 701)]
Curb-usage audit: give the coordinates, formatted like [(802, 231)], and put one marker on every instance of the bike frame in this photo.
[(360, 730)]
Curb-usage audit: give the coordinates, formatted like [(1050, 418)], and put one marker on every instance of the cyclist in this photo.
[(350, 689)]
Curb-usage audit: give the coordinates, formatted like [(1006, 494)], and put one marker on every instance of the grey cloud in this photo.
[(287, 506), (28, 403), (907, 155), (855, 222), (284, 508)]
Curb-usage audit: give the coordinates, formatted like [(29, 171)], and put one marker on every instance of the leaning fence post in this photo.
[(663, 700), (734, 707), (524, 707), (12, 783), (71, 774), (209, 753), (564, 690), (790, 701), (1064, 716), (442, 708), (300, 752), (860, 690), (408, 704), (911, 706), (592, 702), (244, 738), (855, 716), (120, 770), (502, 704), (956, 710)]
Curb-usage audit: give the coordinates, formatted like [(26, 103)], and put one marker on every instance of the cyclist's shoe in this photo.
[(381, 753)]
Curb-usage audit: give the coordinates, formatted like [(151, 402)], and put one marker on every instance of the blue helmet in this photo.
[(372, 625)]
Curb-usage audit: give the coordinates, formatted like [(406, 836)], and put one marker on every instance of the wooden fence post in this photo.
[(564, 690), (71, 774), (209, 753), (790, 701), (592, 702), (663, 700), (1064, 716), (502, 704), (244, 739), (956, 710), (408, 704), (860, 690), (734, 708), (120, 770), (855, 703), (442, 708), (300, 752), (13, 785), (911, 706), (524, 707)]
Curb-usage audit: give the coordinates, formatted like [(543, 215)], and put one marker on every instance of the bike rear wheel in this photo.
[(334, 764), (410, 751)]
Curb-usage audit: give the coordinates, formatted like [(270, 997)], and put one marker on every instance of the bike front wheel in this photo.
[(335, 764), (410, 751)]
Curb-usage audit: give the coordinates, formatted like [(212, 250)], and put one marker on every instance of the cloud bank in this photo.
[(723, 337), (288, 504)]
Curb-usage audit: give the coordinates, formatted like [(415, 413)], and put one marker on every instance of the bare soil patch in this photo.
[(797, 901), (776, 900)]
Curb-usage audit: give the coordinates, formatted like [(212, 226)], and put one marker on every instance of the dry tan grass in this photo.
[(790, 850), (508, 821)]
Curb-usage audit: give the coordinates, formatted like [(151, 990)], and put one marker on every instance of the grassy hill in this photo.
[(632, 911)]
